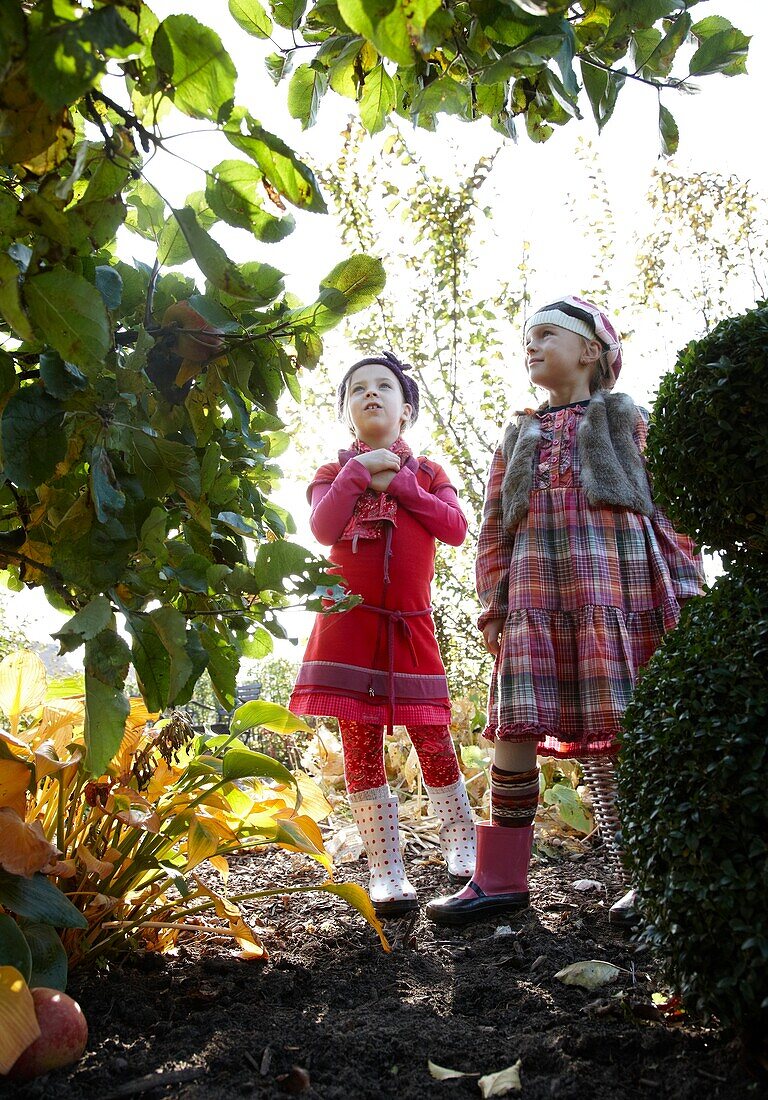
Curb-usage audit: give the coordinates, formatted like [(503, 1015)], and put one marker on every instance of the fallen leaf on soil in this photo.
[(585, 884), (499, 1084), (589, 974), (440, 1073)]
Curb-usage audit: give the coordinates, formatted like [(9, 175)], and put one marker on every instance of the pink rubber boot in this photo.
[(500, 882)]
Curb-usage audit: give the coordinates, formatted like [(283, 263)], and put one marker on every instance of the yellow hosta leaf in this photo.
[(163, 777), (301, 834), (502, 1083), (94, 866), (138, 716), (356, 896), (206, 835), (18, 1019), (61, 722), (251, 945), (132, 809), (48, 762), (64, 868), (24, 848), (14, 780), (589, 973), (313, 801), (221, 865), (23, 681)]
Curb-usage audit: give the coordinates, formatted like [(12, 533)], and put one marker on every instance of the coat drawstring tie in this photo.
[(393, 620)]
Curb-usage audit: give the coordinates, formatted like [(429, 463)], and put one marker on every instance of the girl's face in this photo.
[(375, 405), (556, 357)]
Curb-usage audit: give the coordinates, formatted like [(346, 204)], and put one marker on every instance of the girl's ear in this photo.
[(591, 352), (406, 417)]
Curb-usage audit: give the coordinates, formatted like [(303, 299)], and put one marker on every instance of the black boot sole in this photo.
[(456, 914), (395, 908)]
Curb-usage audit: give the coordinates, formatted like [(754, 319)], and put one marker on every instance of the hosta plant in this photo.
[(114, 860)]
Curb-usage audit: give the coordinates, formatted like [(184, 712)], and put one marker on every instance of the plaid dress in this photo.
[(586, 594)]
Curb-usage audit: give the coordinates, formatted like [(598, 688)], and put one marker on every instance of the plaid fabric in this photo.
[(587, 595)]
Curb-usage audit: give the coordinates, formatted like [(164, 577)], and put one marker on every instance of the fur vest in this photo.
[(612, 468)]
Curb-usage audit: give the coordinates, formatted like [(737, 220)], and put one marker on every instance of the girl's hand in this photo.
[(379, 461), (492, 636), (380, 482)]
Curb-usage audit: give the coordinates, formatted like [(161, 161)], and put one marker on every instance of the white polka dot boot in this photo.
[(377, 821), (457, 829)]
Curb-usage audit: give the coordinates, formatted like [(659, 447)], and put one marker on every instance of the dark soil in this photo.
[(362, 1023)]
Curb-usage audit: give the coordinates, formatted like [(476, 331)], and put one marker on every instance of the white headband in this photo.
[(561, 320)]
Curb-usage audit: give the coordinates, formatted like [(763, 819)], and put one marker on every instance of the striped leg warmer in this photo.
[(514, 797)]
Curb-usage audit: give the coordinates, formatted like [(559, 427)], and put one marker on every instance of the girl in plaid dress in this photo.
[(579, 576)]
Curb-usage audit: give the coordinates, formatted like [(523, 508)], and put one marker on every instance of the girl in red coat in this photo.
[(380, 510)]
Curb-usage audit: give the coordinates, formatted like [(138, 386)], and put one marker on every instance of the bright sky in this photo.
[(721, 130)]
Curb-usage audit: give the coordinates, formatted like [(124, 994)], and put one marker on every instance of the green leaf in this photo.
[(292, 179), (724, 52), (210, 257), (49, 959), (60, 379), (106, 665), (361, 279), (602, 88), (85, 624), (223, 663), (151, 661), (161, 462), (275, 561), (68, 313), (271, 716), (250, 15), (65, 59), (234, 192), (39, 900), (445, 95), (288, 13), (11, 307), (393, 26), (33, 437), (14, 949), (307, 87), (670, 135), (246, 764), (197, 66), (258, 645), (108, 498), (171, 628), (377, 100), (109, 285)]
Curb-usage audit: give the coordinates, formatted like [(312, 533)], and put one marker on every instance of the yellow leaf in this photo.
[(252, 947), (24, 848), (313, 801), (163, 777), (297, 835), (94, 866), (47, 762), (441, 1073), (132, 809), (356, 896), (221, 865), (206, 835), (589, 973), (505, 1081), (14, 780), (23, 681), (18, 1019)]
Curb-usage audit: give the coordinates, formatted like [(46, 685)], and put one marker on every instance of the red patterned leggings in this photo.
[(363, 744)]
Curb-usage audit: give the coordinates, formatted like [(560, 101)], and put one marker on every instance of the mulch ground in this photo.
[(331, 1016)]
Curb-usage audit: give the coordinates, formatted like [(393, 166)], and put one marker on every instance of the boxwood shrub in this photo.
[(693, 788), (708, 440)]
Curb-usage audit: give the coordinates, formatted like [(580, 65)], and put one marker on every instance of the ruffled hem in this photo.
[(557, 742), (327, 705)]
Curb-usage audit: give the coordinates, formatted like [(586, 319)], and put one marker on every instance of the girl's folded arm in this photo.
[(439, 512), (334, 502), (494, 550)]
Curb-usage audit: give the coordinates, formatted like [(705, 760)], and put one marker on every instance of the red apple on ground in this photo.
[(64, 1033)]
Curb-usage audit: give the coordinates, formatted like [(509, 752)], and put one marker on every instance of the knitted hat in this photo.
[(386, 359), (587, 320)]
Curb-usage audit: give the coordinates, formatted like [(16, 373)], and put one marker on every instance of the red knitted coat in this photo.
[(355, 659)]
